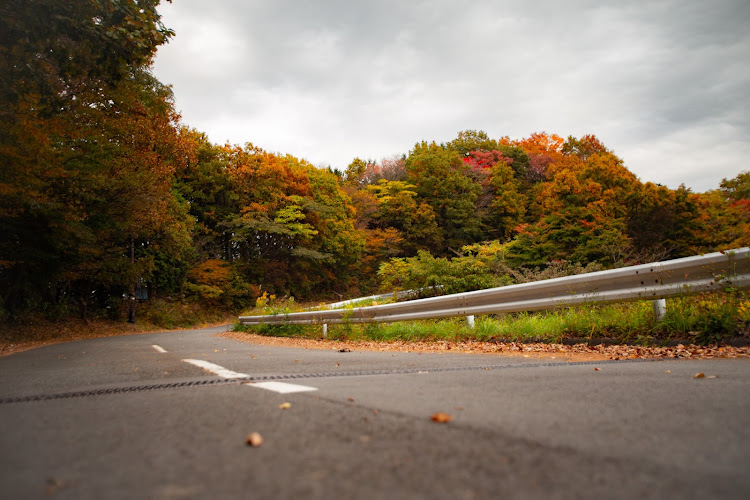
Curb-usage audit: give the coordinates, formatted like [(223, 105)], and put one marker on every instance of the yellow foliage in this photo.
[(213, 272)]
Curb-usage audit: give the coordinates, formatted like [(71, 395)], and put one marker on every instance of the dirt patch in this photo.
[(560, 352)]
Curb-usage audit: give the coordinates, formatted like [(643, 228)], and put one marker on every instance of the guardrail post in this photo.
[(325, 330), (470, 320), (660, 309)]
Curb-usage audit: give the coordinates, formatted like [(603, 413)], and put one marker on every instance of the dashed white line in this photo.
[(159, 348), (280, 387), (283, 387), (215, 369)]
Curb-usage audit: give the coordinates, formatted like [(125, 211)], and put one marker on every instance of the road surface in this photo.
[(145, 416)]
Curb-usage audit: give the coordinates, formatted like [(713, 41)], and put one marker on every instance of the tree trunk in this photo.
[(228, 247), (131, 298), (84, 311)]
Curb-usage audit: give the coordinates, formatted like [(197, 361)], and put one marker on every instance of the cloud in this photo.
[(663, 84)]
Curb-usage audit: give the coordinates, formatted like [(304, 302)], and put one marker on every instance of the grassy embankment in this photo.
[(704, 319)]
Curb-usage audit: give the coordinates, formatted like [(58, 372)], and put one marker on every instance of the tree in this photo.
[(211, 193), (725, 214), (399, 209), (582, 206), (52, 52), (354, 173), (472, 140), (77, 100), (443, 180)]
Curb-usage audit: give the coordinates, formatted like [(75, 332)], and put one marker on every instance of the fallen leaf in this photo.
[(285, 406), (699, 375), (441, 418), (596, 369), (254, 439), (713, 376), (375, 412), (350, 399), (53, 485), (345, 349), (667, 371)]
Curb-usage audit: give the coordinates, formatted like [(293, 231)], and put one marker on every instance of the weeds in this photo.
[(700, 319)]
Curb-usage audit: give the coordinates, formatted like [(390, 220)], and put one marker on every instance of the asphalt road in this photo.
[(119, 418)]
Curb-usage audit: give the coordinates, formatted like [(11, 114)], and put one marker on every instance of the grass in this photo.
[(701, 319)]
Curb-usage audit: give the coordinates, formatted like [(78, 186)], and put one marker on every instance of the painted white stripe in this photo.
[(159, 348), (215, 369), (283, 387)]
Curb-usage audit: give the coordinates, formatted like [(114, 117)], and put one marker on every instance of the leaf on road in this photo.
[(345, 349), (254, 439), (699, 375), (713, 376), (285, 406), (441, 418), (596, 369), (667, 371), (53, 485)]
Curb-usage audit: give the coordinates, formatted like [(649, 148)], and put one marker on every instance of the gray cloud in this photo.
[(663, 84)]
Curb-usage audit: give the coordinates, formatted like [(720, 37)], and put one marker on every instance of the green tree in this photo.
[(443, 180), (398, 208)]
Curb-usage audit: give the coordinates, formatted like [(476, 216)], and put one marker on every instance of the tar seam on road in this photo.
[(289, 376)]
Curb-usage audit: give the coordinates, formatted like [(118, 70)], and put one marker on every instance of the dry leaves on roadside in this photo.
[(564, 352), (285, 406)]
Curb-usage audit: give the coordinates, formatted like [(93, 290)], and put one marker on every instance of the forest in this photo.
[(105, 194)]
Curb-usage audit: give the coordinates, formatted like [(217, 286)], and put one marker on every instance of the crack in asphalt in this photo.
[(290, 376)]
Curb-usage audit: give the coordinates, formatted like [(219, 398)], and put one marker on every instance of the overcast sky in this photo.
[(663, 84)]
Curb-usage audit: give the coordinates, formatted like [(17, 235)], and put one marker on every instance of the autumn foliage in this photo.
[(103, 190)]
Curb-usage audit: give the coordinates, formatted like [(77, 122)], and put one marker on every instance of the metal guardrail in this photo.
[(398, 295), (690, 275)]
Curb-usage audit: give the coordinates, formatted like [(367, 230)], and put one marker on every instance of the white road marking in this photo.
[(283, 387), (215, 369), (280, 387), (159, 348)]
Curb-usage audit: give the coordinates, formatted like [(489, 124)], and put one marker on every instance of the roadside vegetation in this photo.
[(700, 319)]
